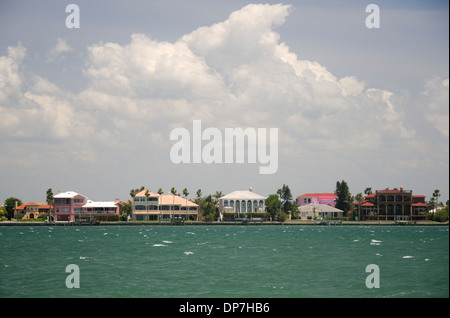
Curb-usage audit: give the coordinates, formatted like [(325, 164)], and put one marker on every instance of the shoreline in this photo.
[(250, 223)]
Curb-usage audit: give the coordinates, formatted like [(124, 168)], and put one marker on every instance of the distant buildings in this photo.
[(149, 206), (317, 198), (392, 205), (71, 206)]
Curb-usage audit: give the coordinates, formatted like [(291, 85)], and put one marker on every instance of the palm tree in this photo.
[(51, 202), (174, 192), (185, 193), (147, 194), (160, 192), (217, 195)]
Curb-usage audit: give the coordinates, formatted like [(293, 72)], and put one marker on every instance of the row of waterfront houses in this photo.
[(71, 206)]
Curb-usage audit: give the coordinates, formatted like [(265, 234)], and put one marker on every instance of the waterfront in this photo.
[(224, 261)]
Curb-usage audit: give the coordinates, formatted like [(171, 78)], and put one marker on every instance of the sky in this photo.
[(91, 109)]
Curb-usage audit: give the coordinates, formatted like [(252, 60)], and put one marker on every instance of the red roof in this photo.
[(419, 204), (23, 206)]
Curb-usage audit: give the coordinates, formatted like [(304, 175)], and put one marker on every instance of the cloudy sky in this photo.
[(91, 109)]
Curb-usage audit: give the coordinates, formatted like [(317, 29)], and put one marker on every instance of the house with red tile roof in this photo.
[(31, 210), (150, 206), (392, 205)]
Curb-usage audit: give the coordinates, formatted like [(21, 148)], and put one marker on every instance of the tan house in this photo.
[(150, 206), (31, 210)]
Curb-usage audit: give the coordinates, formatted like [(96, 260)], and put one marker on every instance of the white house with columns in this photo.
[(242, 202)]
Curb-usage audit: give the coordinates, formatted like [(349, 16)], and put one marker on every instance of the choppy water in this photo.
[(224, 261)]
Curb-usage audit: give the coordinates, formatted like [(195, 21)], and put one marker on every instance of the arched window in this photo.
[(238, 206), (390, 209), (261, 203), (249, 206), (243, 206), (225, 203)]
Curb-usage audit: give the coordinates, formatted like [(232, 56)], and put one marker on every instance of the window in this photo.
[(77, 210), (225, 203), (65, 210), (140, 208), (78, 200)]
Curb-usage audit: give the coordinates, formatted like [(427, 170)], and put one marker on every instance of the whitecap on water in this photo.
[(427, 259), (156, 245), (375, 242), (408, 256), (167, 242), (188, 253)]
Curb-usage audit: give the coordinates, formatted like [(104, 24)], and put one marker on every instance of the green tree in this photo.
[(174, 192), (295, 213), (160, 191), (441, 214), (368, 191), (9, 206), (133, 192), (208, 208), (273, 204), (125, 210), (344, 200), (51, 202), (358, 198), (185, 193), (2, 212), (217, 195), (198, 199), (285, 197)]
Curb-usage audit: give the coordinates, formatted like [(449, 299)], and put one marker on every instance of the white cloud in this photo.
[(436, 92), (11, 78), (235, 73), (56, 51)]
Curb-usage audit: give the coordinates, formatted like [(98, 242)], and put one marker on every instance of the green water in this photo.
[(224, 261)]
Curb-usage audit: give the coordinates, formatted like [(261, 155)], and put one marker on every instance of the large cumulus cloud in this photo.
[(235, 73)]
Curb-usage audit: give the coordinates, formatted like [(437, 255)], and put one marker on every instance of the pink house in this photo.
[(317, 198), (71, 206)]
